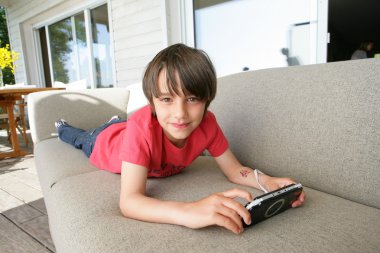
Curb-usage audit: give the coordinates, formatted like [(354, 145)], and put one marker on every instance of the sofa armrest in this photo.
[(85, 109)]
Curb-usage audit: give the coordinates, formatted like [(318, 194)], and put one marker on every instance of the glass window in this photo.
[(61, 50), (70, 58)]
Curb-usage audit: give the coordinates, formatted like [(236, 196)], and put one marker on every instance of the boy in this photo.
[(161, 139)]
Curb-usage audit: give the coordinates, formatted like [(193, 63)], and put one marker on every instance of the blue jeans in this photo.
[(80, 138)]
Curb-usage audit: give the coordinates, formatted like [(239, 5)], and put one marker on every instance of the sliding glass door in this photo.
[(77, 50)]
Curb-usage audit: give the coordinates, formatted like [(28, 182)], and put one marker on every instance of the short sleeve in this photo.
[(218, 143)]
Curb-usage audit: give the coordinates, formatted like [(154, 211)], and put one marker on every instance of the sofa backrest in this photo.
[(318, 124), (85, 109)]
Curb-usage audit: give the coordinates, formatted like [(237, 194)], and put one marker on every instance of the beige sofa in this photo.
[(318, 124)]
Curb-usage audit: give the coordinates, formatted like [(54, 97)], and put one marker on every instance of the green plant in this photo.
[(7, 57)]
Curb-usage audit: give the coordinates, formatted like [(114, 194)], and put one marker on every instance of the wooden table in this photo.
[(8, 98)]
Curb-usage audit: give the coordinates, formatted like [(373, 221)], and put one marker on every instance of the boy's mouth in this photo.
[(180, 125)]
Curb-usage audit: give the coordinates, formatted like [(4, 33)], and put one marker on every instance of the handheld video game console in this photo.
[(272, 203)]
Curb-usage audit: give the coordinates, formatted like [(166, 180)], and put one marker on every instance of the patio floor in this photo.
[(23, 218)]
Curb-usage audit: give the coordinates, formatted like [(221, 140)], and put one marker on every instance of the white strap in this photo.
[(256, 172)]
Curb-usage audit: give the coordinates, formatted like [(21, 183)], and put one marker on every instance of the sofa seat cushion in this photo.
[(84, 215)]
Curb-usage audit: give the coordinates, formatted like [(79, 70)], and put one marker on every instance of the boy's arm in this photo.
[(238, 173), (218, 209), (242, 175)]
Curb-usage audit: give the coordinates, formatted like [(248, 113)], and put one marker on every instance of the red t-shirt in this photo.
[(142, 141)]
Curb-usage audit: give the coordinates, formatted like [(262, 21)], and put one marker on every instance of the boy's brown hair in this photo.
[(194, 68)]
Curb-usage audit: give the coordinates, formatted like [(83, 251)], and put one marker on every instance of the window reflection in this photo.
[(61, 48)]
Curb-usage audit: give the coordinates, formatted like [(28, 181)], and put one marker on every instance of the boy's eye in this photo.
[(192, 99), (166, 100)]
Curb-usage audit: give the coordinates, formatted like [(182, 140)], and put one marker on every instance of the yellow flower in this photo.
[(7, 57)]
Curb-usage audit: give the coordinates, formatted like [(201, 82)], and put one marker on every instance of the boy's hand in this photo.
[(274, 183), (218, 209)]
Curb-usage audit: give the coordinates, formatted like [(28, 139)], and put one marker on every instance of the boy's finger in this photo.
[(231, 214), (300, 200), (236, 192), (224, 221), (239, 209)]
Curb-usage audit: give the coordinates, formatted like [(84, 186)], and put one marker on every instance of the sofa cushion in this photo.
[(84, 215), (318, 124)]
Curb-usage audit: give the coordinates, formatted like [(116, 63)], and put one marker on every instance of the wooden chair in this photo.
[(19, 121)]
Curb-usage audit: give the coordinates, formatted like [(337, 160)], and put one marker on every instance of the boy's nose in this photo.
[(180, 110)]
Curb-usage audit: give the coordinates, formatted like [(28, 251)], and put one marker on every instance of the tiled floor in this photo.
[(23, 218)]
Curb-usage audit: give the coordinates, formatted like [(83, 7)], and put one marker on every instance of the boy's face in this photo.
[(180, 115)]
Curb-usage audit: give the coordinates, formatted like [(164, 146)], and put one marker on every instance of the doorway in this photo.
[(351, 22)]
